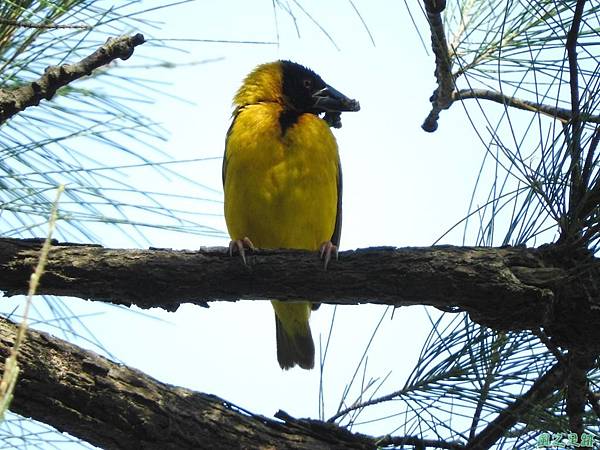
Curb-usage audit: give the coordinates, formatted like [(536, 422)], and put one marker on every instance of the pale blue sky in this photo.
[(402, 187)]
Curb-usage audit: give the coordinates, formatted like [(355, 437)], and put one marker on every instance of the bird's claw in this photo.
[(327, 248), (240, 245)]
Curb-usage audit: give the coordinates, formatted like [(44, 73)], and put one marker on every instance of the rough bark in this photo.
[(503, 288), (115, 407), (13, 101)]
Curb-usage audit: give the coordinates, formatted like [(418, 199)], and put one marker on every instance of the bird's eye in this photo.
[(308, 84)]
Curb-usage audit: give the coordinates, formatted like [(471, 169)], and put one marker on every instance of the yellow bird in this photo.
[(283, 181)]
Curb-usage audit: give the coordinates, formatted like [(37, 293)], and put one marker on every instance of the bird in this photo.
[(282, 180)]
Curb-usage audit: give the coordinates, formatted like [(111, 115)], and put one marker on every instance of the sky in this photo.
[(402, 187)]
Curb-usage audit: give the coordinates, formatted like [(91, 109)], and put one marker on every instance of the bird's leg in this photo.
[(327, 248), (240, 245)]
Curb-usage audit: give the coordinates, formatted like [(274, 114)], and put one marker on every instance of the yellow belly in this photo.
[(280, 191)]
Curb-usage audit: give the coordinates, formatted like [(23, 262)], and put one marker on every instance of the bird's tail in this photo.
[(294, 340)]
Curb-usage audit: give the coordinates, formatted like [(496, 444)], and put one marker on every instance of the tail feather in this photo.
[(297, 349), (295, 344)]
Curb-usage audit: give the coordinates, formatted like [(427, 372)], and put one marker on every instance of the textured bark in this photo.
[(16, 100), (503, 288), (115, 407), (580, 363)]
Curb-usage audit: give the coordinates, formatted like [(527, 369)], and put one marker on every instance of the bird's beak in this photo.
[(330, 100)]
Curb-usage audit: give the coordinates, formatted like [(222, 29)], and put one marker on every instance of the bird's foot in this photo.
[(325, 252), (240, 245)]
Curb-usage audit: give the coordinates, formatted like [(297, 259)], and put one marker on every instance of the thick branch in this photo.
[(503, 288), (16, 100), (115, 407), (593, 399), (571, 46), (580, 364)]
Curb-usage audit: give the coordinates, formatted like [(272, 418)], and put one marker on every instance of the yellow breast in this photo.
[(280, 190)]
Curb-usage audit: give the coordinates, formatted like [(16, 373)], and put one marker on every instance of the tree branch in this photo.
[(446, 94), (18, 99), (580, 363), (442, 97), (503, 288), (116, 407), (571, 46), (577, 189), (562, 114), (418, 443), (540, 390), (593, 399), (589, 159), (41, 26)]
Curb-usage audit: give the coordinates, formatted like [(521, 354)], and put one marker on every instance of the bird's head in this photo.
[(296, 88)]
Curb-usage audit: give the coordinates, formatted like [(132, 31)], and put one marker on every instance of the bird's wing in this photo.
[(337, 230), (224, 167)]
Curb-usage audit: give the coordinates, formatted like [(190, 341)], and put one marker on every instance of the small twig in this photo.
[(16, 100), (592, 399), (332, 432), (442, 96), (465, 18), (446, 94), (540, 390), (590, 197), (42, 26), (589, 160), (588, 203), (365, 26), (362, 405), (11, 366), (543, 337), (417, 442), (562, 114), (590, 233), (489, 379)]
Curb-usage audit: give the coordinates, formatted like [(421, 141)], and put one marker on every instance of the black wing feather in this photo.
[(224, 167), (337, 230)]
